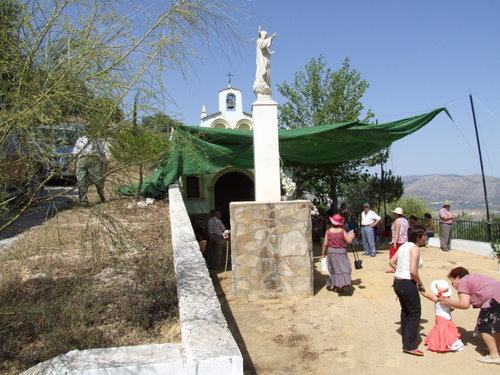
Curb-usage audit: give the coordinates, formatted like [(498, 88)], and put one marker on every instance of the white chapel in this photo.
[(216, 190), (230, 114)]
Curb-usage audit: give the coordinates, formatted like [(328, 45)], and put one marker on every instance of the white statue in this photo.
[(262, 84)]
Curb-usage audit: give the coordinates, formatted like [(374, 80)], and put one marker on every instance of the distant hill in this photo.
[(466, 192)]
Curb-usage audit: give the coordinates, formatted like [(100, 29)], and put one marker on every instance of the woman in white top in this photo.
[(407, 284)]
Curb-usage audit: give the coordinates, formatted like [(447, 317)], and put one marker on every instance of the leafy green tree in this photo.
[(10, 53), (319, 96), (412, 205), (373, 190), (160, 122), (139, 145), (77, 61)]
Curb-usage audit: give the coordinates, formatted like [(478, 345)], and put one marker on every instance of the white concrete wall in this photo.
[(207, 347), (474, 247)]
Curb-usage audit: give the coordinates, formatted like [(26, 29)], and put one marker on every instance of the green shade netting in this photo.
[(196, 151)]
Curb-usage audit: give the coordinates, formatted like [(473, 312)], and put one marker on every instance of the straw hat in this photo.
[(398, 210), (447, 203), (336, 220), (441, 288)]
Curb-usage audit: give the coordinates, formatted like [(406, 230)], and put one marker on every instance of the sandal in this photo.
[(488, 359), (414, 352)]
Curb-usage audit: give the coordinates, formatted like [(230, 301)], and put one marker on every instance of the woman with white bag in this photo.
[(335, 249)]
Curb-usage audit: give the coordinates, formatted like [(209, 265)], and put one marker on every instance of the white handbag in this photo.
[(324, 266)]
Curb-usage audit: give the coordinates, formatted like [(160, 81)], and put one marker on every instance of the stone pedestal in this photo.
[(266, 150), (271, 249)]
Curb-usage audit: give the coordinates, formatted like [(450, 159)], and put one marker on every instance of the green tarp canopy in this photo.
[(197, 150)]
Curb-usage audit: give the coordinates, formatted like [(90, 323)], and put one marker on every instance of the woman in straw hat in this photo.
[(334, 246)]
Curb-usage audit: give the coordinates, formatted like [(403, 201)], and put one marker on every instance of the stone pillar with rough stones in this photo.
[(271, 249), (271, 243)]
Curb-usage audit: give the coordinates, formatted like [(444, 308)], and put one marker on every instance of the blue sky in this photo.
[(416, 56)]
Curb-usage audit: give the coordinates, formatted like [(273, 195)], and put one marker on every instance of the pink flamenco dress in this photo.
[(444, 336)]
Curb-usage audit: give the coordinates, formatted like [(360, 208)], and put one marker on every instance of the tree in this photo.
[(138, 145), (160, 122), (67, 60), (412, 205), (321, 96), (10, 54), (373, 190)]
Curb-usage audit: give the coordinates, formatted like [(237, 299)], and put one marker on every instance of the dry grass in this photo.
[(89, 277)]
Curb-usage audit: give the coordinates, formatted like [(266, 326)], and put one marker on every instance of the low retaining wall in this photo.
[(474, 247), (207, 347)]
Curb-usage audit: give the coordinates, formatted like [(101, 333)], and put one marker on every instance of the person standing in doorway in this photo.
[(216, 229), (445, 224), (89, 163), (369, 220)]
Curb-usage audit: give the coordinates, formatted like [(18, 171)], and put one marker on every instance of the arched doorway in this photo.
[(232, 187)]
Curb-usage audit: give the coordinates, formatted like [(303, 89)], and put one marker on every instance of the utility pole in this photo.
[(488, 221)]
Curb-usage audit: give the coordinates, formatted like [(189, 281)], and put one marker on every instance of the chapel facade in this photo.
[(216, 190)]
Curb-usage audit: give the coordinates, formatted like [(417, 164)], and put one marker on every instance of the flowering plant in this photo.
[(226, 234), (288, 185)]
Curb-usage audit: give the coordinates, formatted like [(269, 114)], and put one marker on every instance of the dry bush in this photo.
[(88, 278), (291, 340)]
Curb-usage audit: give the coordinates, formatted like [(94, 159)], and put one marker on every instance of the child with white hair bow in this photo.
[(444, 336)]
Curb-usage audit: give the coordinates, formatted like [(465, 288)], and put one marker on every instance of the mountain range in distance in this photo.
[(465, 192)]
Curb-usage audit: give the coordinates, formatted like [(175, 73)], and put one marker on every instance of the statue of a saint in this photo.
[(262, 84)]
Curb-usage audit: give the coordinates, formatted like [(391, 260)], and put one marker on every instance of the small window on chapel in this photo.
[(231, 101), (193, 187)]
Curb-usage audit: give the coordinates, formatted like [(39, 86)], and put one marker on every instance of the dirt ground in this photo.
[(352, 334)]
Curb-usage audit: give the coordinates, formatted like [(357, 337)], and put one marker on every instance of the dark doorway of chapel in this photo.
[(232, 187)]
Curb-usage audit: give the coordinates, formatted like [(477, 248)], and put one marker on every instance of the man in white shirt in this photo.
[(369, 220), (89, 163), (216, 229)]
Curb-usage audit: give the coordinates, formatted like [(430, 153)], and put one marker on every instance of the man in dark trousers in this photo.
[(216, 240)]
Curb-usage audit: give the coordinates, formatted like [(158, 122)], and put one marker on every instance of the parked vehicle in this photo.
[(21, 167), (60, 142)]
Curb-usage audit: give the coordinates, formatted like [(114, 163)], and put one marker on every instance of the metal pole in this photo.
[(488, 222), (382, 178)]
